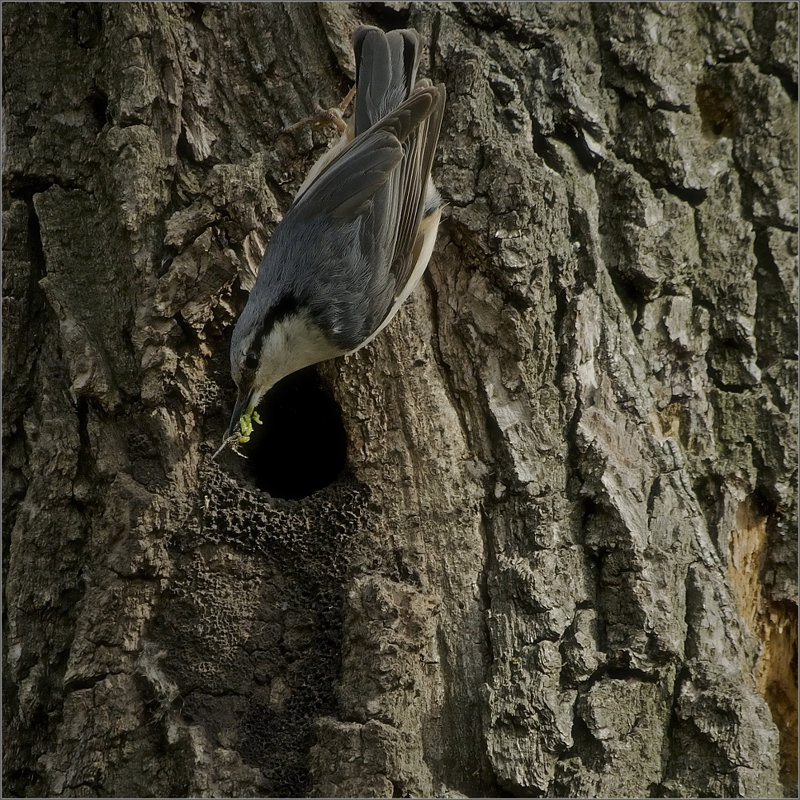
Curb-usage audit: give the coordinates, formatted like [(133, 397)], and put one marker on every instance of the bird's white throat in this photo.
[(293, 343)]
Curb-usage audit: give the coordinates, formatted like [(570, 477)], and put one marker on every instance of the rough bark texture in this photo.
[(538, 538)]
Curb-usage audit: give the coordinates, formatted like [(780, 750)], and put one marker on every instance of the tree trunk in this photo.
[(537, 539)]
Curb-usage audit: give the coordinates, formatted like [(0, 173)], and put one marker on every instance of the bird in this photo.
[(358, 235)]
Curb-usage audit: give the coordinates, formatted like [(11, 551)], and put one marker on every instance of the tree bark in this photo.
[(537, 539)]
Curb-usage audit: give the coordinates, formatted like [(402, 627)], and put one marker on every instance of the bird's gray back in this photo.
[(336, 279)]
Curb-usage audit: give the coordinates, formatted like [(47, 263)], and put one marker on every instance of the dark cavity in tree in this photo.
[(302, 445)]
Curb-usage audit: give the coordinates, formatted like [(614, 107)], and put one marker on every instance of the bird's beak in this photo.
[(243, 403)]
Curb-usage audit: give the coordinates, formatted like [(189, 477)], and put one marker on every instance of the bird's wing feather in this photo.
[(414, 173), (361, 168), (346, 187), (386, 68)]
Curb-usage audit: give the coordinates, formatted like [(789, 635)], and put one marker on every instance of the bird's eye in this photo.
[(251, 360)]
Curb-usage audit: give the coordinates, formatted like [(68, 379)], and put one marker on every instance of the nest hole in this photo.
[(301, 447)]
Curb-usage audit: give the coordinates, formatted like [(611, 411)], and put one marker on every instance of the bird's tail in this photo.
[(386, 69)]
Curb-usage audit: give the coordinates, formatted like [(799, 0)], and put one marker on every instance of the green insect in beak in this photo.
[(246, 425)]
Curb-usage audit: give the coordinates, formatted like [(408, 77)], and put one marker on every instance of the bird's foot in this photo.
[(325, 116)]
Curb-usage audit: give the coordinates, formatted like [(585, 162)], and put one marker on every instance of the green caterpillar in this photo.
[(246, 425)]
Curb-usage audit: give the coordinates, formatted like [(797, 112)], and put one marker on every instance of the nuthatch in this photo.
[(358, 236)]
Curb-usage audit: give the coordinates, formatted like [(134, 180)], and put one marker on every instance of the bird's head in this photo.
[(271, 341)]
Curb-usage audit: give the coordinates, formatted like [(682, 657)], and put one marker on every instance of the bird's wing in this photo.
[(386, 68), (412, 185), (364, 166)]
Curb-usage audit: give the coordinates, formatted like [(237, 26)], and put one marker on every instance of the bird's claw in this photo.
[(325, 116)]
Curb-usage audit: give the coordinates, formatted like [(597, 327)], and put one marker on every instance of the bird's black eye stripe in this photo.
[(251, 360), (285, 307)]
